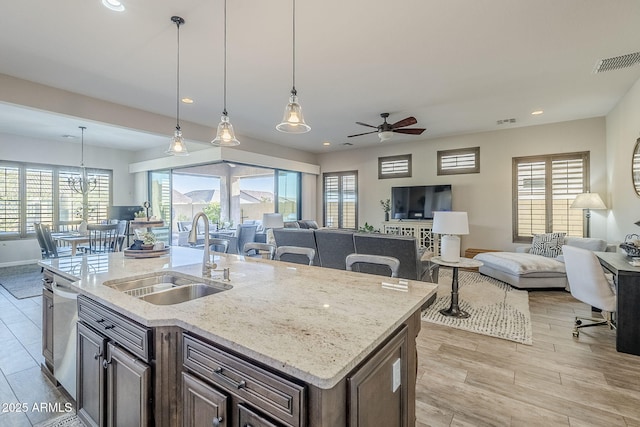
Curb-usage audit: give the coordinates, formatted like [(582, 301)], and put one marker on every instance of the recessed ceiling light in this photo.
[(326, 143), (187, 100), (537, 112), (113, 5)]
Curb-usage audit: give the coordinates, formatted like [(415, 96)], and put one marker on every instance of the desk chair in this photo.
[(102, 238), (391, 262), (254, 248), (589, 284), (295, 254), (219, 245)]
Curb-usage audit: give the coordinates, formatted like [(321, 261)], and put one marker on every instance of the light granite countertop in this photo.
[(313, 323)]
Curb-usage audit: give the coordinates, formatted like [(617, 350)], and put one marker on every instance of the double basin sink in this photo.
[(167, 288)]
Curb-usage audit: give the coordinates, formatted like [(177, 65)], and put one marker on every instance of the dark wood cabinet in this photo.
[(202, 405), (249, 418), (378, 390), (114, 385)]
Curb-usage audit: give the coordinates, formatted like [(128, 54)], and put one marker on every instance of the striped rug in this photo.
[(495, 308)]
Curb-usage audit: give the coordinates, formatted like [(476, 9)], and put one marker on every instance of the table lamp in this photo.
[(450, 225), (588, 201), (271, 221)]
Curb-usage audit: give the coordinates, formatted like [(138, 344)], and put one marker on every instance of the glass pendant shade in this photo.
[(293, 120), (225, 137), (177, 147)]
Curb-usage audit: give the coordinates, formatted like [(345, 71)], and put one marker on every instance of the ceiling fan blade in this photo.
[(404, 122), (415, 131), (364, 124), (360, 134)]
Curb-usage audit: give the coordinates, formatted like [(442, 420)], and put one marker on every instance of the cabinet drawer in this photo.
[(129, 334), (276, 396), (248, 418)]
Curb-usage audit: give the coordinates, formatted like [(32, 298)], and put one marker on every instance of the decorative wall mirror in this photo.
[(635, 167)]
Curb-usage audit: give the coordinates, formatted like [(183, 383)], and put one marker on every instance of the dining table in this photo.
[(74, 239)]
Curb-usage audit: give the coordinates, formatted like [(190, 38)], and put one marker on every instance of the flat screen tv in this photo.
[(419, 201), (123, 212)]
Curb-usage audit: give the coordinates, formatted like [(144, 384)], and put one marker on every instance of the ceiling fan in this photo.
[(386, 130)]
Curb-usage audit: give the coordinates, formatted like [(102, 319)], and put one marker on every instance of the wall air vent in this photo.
[(505, 121), (617, 62)]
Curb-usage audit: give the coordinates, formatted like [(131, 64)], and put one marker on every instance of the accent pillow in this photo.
[(548, 244)]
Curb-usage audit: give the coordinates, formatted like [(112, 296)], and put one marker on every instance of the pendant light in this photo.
[(82, 184), (177, 146), (293, 120), (225, 137)]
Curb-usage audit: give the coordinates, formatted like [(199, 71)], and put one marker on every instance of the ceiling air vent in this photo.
[(347, 144), (505, 121), (617, 62)]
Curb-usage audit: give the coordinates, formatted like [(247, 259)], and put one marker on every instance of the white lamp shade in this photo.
[(588, 201), (450, 222), (272, 220)]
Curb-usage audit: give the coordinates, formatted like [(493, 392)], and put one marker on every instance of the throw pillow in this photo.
[(548, 244)]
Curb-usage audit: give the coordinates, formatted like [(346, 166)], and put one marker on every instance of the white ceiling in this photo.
[(458, 66)]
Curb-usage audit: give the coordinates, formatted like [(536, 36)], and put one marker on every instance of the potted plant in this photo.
[(148, 240), (386, 207)]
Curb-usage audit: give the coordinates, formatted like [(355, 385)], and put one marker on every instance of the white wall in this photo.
[(486, 196), (623, 129), (28, 150)]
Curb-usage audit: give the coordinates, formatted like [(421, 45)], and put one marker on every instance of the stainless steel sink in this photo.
[(180, 294), (166, 288)]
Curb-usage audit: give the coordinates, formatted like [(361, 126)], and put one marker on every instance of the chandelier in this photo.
[(82, 183)]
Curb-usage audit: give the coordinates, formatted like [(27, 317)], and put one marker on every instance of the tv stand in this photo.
[(421, 229)]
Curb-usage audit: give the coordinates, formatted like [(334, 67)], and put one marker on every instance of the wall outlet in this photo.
[(396, 376)]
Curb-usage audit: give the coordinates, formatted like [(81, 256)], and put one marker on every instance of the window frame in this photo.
[(548, 159), (383, 160), (459, 152), (340, 175), (24, 231)]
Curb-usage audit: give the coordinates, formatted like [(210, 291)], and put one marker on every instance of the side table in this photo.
[(454, 310)]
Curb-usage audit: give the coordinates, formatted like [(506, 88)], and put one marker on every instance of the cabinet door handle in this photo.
[(238, 385), (100, 321), (110, 326), (216, 421), (96, 356)]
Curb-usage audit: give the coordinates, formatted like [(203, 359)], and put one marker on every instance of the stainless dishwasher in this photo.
[(65, 318)]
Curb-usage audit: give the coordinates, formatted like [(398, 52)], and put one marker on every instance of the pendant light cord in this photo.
[(178, 79), (82, 147), (224, 111), (293, 90)]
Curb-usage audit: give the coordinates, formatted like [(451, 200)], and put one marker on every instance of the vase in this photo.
[(386, 216)]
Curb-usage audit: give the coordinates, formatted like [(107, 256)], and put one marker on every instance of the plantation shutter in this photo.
[(39, 197), (9, 200), (341, 200)]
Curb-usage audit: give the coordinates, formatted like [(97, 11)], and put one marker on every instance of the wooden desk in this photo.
[(627, 280)]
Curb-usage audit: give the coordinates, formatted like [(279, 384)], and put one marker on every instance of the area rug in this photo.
[(495, 308), (66, 420), (22, 281)]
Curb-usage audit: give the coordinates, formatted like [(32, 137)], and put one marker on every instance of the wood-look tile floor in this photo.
[(466, 379)]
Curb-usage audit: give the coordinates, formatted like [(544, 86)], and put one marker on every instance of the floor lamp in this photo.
[(588, 201)]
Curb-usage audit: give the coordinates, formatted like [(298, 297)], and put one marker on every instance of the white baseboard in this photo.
[(21, 262)]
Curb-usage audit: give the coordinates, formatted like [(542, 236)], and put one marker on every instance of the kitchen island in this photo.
[(319, 331)]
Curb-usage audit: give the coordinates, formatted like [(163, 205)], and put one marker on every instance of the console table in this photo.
[(627, 280), (421, 230)]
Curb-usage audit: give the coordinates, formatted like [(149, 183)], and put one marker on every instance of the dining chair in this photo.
[(391, 262), (53, 251), (588, 283), (219, 245), (102, 238), (43, 246), (295, 254), (254, 248), (245, 234)]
